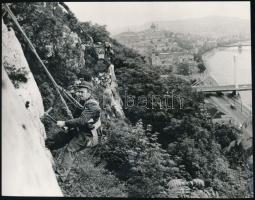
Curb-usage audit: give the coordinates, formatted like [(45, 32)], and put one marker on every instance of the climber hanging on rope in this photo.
[(78, 139), (80, 132), (89, 117)]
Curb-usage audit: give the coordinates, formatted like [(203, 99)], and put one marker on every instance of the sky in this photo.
[(117, 15)]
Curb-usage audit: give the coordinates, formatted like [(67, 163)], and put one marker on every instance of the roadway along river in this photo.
[(220, 66)]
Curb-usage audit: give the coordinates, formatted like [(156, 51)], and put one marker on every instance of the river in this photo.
[(220, 65)]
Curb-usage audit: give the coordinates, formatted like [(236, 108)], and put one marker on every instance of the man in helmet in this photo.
[(80, 132), (77, 133)]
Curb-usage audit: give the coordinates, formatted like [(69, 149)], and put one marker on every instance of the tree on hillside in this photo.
[(143, 164), (183, 69), (98, 32), (201, 67)]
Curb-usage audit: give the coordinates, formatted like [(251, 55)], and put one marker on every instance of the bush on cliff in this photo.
[(135, 156)]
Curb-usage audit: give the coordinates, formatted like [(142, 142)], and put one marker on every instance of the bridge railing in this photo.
[(235, 45), (214, 88)]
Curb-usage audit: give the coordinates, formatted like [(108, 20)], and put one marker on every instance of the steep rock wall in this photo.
[(107, 88), (115, 94), (26, 164), (13, 56)]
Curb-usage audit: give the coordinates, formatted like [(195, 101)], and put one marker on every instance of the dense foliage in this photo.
[(17, 76), (183, 143), (137, 158)]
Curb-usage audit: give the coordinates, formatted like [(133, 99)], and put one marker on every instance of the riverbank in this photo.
[(212, 81), (240, 114)]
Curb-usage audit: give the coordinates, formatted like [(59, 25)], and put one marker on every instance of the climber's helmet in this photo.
[(107, 44), (84, 90)]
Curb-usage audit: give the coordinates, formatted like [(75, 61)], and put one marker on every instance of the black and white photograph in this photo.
[(127, 99)]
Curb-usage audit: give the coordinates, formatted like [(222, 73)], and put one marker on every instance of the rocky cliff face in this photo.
[(107, 87), (27, 164), (27, 167), (116, 97)]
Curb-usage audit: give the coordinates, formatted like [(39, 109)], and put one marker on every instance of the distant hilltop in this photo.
[(211, 26)]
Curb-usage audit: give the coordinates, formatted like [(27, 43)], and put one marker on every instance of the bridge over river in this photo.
[(234, 109), (239, 45), (223, 88)]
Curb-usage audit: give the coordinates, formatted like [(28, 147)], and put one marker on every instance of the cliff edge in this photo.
[(27, 165)]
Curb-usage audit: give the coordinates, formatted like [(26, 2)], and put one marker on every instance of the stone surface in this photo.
[(26, 164)]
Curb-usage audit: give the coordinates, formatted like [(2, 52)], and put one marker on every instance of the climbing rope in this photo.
[(38, 57), (58, 88), (70, 98), (70, 13)]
